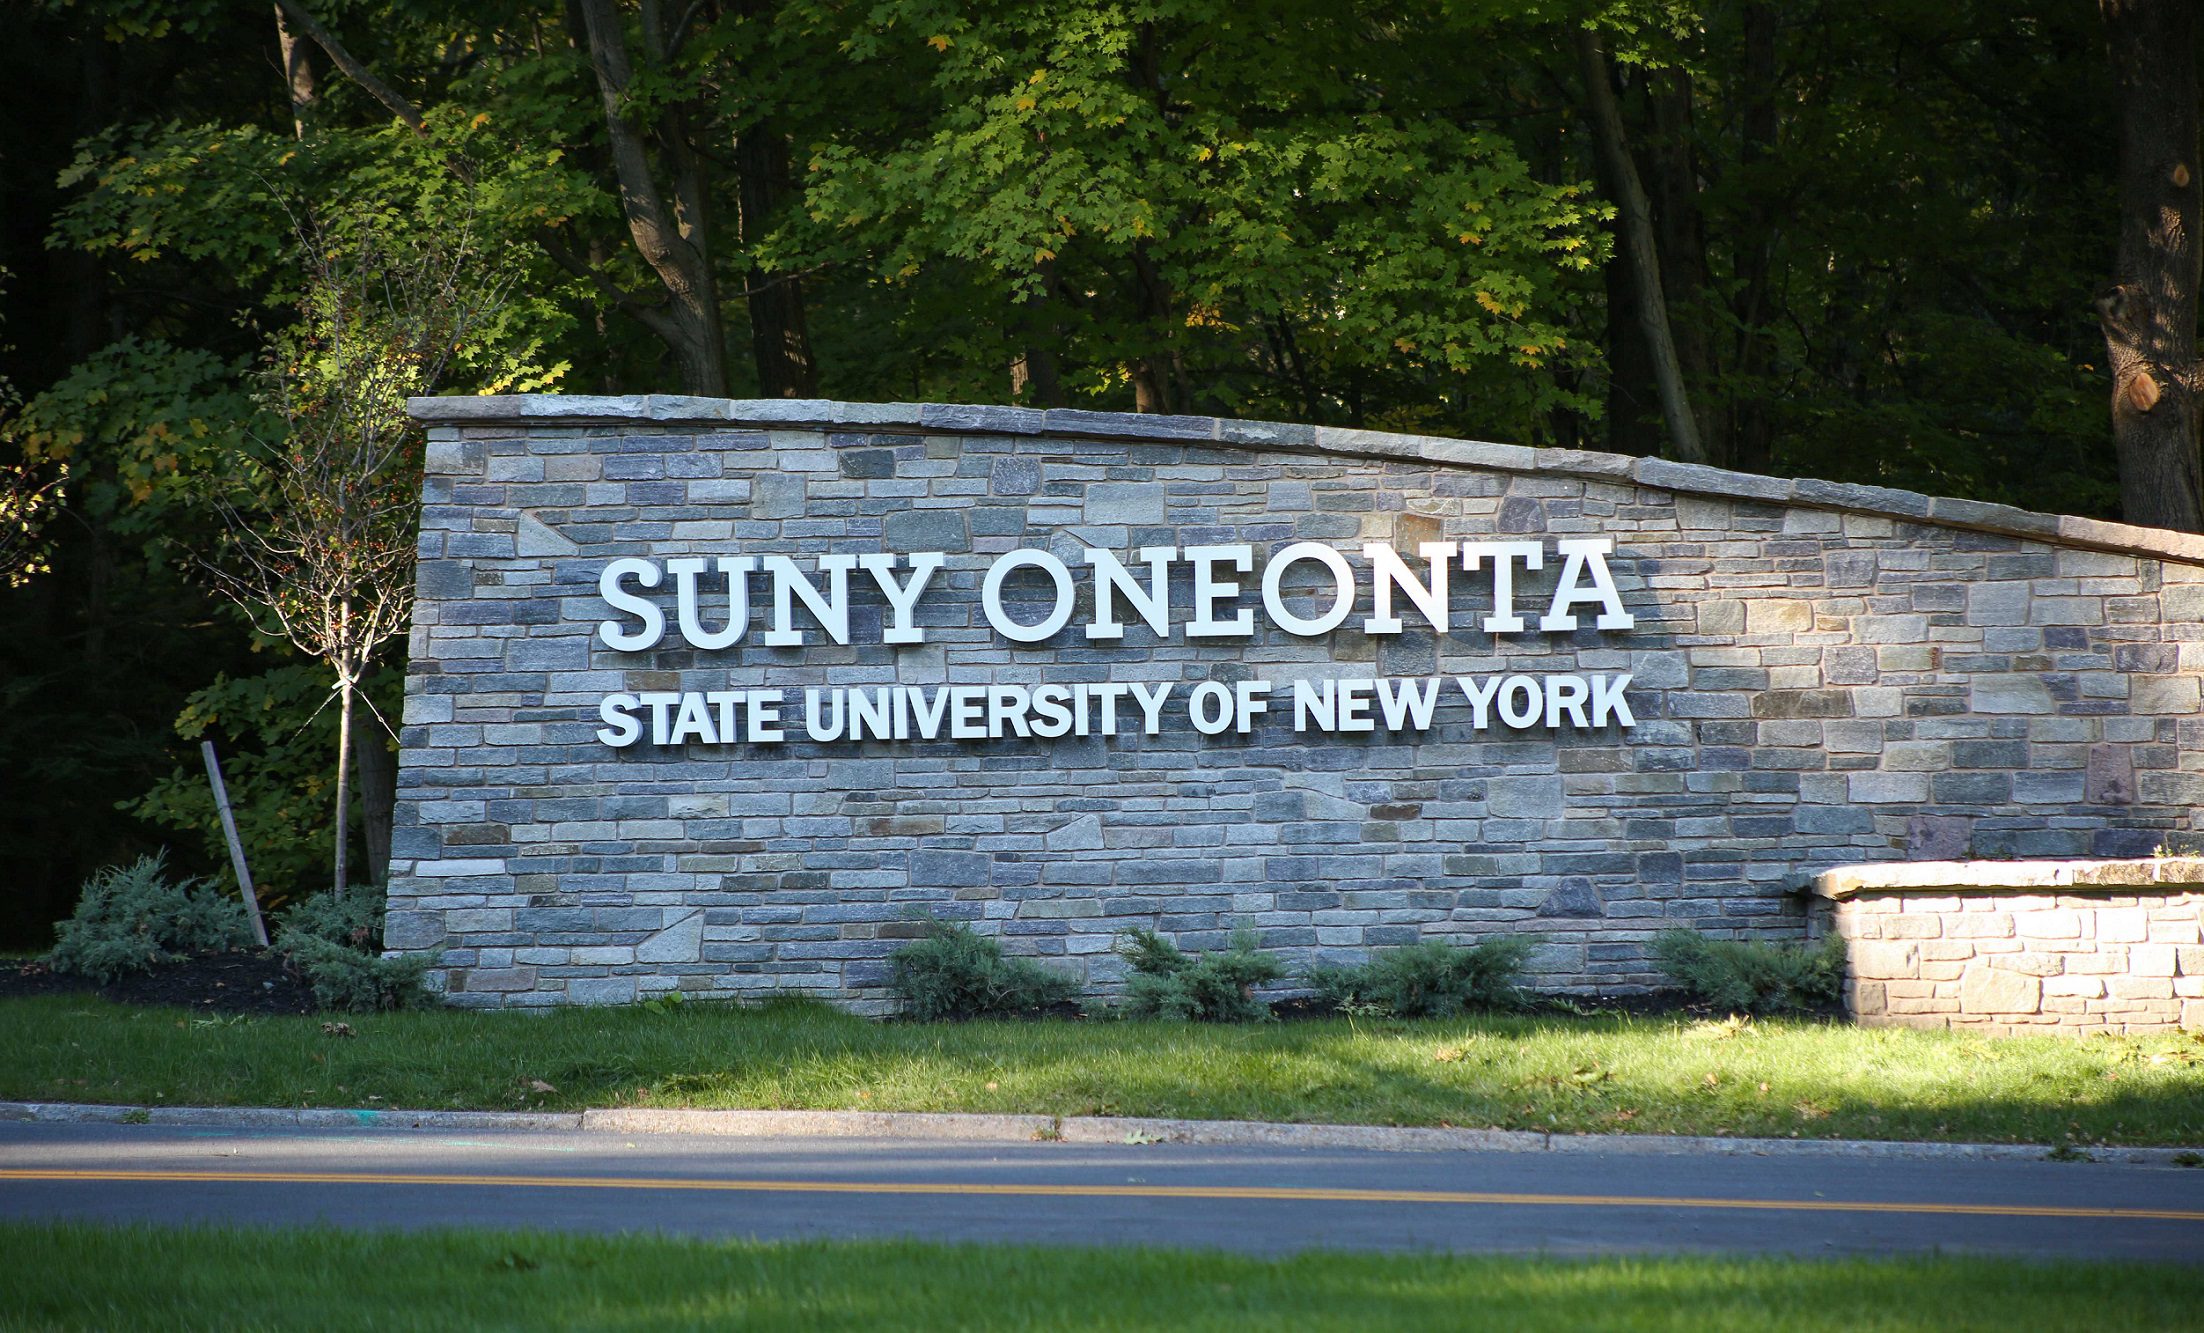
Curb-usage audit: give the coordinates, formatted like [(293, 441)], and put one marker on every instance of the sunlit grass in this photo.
[(1599, 1074), (138, 1277)]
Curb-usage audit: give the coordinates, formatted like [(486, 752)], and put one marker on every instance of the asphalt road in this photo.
[(1261, 1200)]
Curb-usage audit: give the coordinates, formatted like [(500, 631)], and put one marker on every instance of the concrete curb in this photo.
[(279, 1117), (955, 1126)]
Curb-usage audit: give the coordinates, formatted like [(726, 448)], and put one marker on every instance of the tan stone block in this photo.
[(2097, 963), (2192, 1014), (1980, 925), (1946, 950), (2189, 988), (2035, 964), (1917, 757), (1788, 615), (2164, 694), (1860, 927), (1998, 946), (2052, 925), (1941, 905), (1868, 999), (2089, 988), (2150, 960), (1882, 960), (2064, 1004), (1913, 926), (2140, 988), (1989, 989), (2166, 928), (1925, 1005), (1942, 969), (2145, 1012), (1909, 989), (2123, 925)]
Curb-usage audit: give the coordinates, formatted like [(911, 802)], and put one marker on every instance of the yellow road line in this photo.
[(1265, 1193)]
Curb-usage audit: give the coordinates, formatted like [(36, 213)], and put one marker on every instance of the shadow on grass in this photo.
[(1602, 1073)]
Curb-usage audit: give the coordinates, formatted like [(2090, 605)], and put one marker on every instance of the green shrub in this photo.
[(336, 943), (1747, 976), (1168, 982), (1430, 979), (132, 917), (354, 921), (955, 972)]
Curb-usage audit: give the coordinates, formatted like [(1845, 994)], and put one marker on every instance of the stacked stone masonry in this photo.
[(1821, 675), (2023, 948)]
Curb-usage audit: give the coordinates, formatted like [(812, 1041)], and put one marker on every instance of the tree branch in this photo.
[(353, 69)]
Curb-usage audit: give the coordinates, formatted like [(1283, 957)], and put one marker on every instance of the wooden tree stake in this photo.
[(237, 848)]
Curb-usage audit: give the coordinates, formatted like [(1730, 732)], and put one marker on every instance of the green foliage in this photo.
[(275, 732), (133, 917), (1749, 976), (955, 972), (354, 921), (1167, 982), (336, 943), (346, 978), (1880, 226), (1429, 979), (1204, 213)]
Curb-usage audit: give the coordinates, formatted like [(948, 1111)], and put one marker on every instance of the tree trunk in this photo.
[(1750, 433), (1151, 375), (1680, 235), (2149, 313), (378, 774), (344, 769), (692, 293), (298, 73), (1633, 421), (1639, 250), (686, 322), (780, 334)]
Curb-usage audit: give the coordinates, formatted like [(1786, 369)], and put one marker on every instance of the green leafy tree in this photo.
[(1185, 206), (320, 530)]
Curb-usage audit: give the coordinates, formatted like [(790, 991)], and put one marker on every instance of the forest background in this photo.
[(1864, 241)]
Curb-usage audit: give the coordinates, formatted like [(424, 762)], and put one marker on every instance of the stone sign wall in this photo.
[(594, 807), (2075, 947)]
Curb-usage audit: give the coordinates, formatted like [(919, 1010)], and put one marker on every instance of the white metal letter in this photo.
[(646, 573), (991, 596), (1343, 589), (1586, 556), (1388, 571)]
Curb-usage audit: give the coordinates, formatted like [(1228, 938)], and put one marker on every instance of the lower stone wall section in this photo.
[(2019, 947)]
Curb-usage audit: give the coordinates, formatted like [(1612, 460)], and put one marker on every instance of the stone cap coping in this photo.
[(2174, 873), (1273, 437)]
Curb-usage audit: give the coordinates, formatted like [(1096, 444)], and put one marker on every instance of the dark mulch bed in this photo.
[(242, 982)]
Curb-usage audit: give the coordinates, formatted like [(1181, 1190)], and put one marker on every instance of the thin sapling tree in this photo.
[(321, 527)]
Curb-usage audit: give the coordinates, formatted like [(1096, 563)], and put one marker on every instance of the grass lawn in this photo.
[(1613, 1074), (75, 1276)]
